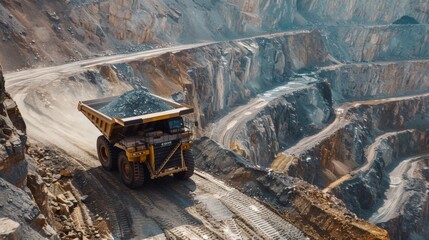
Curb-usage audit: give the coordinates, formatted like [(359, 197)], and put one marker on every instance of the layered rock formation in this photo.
[(13, 167), (318, 214), (20, 208), (283, 122), (24, 217), (161, 21), (369, 186), (342, 148), (357, 154), (379, 11), (70, 30), (357, 43), (354, 82), (220, 76)]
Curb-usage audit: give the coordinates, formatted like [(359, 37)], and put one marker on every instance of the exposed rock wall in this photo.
[(377, 43), (19, 207), (362, 193), (284, 121), (329, 159), (13, 166), (343, 149), (364, 11), (320, 215), (17, 204), (70, 30), (167, 20), (220, 76), (368, 185), (379, 80)]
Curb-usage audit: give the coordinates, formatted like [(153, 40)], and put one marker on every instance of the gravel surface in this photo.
[(134, 103)]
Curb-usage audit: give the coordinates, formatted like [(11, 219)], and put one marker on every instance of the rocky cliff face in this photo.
[(372, 144), (13, 167), (318, 214), (219, 76), (170, 21), (283, 122), (357, 43), (22, 216), (378, 80), (343, 149), (69, 30), (379, 202), (379, 11), (22, 213)]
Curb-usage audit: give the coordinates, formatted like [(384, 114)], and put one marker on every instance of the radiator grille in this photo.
[(162, 152)]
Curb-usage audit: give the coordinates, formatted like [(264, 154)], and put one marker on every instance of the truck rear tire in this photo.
[(189, 162), (107, 154), (132, 173)]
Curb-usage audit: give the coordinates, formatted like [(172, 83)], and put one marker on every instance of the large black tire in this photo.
[(132, 173), (189, 162), (107, 154)]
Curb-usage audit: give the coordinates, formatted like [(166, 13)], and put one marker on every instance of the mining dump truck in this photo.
[(144, 146)]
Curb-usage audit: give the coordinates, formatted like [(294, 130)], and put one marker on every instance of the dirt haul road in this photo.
[(237, 118), (396, 195), (200, 208)]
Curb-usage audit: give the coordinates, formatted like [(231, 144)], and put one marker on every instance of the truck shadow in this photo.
[(157, 208)]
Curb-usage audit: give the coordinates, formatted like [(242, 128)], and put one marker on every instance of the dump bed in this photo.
[(112, 127)]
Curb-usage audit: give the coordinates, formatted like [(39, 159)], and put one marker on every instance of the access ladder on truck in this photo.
[(151, 145)]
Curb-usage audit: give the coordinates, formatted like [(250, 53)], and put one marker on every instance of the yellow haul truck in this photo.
[(151, 145)]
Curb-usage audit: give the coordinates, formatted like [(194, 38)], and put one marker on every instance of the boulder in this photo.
[(9, 229)]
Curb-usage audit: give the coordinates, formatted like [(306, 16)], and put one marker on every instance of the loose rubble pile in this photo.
[(60, 198), (134, 103)]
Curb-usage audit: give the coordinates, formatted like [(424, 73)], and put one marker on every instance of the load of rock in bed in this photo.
[(134, 103)]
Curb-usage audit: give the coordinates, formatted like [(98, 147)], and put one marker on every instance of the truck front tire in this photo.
[(189, 162), (132, 173), (107, 154)]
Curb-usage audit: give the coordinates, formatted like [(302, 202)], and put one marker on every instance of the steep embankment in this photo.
[(389, 42), (363, 12), (320, 215), (275, 119), (75, 29), (392, 189), (220, 76), (20, 215), (377, 80), (356, 153), (69, 30)]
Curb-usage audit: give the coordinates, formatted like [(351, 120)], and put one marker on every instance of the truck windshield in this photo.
[(175, 123)]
